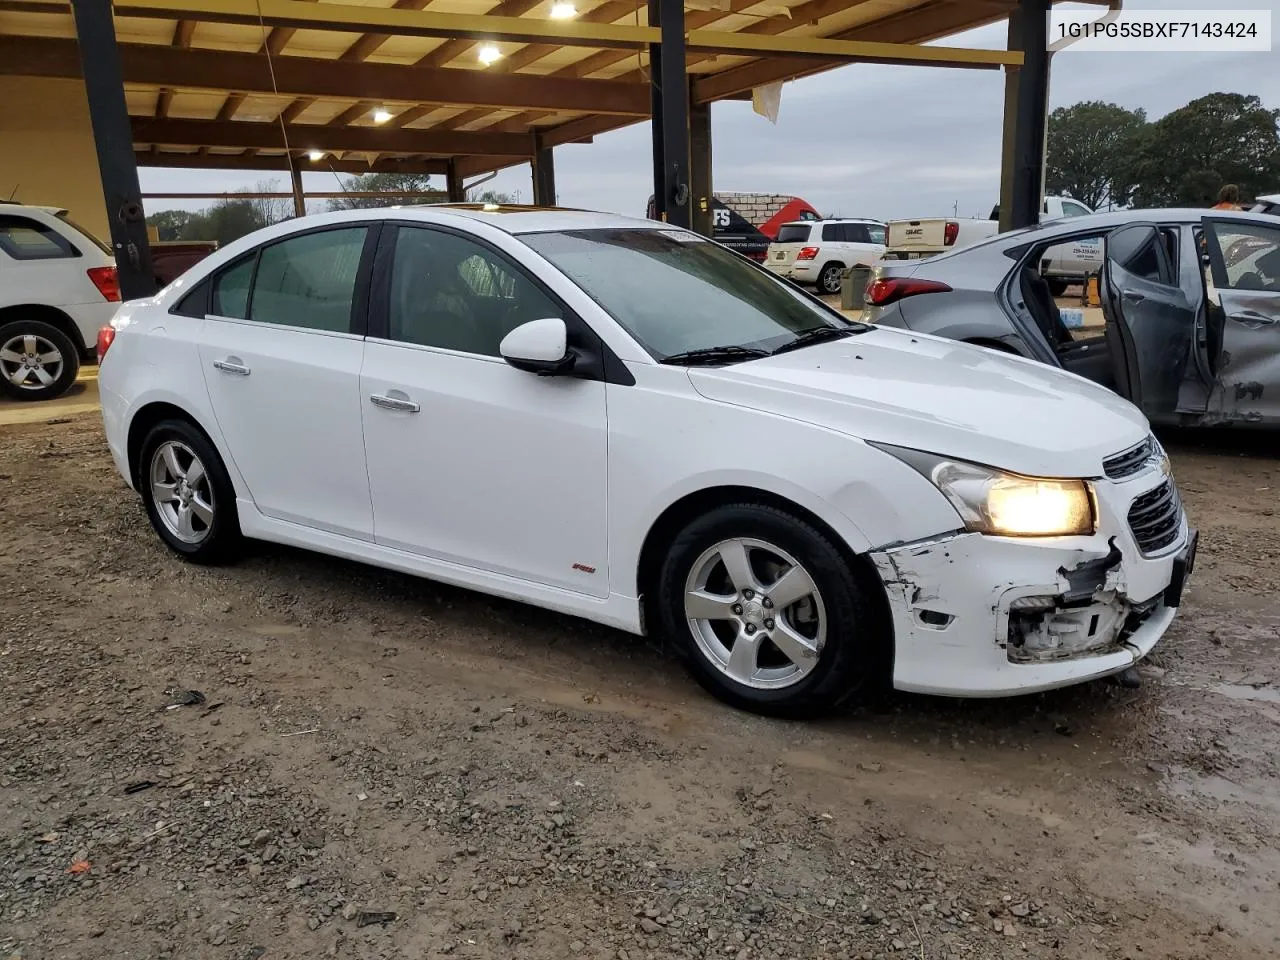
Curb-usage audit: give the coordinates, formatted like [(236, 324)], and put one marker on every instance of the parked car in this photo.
[(172, 258), (1268, 204), (58, 285), (747, 222), (627, 422), (917, 239), (1191, 303), (817, 252)]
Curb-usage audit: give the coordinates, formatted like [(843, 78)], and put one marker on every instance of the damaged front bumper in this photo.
[(976, 615)]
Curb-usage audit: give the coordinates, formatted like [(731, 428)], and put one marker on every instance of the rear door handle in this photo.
[(231, 365), (404, 405)]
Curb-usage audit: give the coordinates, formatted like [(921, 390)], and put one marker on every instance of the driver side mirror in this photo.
[(539, 346)]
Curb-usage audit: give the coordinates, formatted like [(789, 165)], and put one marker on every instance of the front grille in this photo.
[(1128, 462), (1156, 518)]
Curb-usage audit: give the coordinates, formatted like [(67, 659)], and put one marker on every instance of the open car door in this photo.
[(1244, 319), (1150, 321)]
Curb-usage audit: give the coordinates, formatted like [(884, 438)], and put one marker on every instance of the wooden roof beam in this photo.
[(248, 73), (214, 161), (213, 133)]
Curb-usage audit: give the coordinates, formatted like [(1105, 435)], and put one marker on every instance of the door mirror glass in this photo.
[(539, 346)]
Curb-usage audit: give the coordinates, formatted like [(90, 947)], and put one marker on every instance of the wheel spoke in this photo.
[(743, 657), (10, 356), (733, 554), (43, 375), (798, 649), (29, 343), (702, 605), (795, 584), (185, 515), (164, 492), (195, 473), (53, 356), (18, 377), (171, 463), (203, 510)]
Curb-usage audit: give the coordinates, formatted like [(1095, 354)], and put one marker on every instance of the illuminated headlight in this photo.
[(1005, 504)]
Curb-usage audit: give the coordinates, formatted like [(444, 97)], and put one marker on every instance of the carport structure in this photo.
[(459, 88)]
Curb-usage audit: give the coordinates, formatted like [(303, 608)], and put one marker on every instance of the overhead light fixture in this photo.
[(563, 11), (381, 115), (489, 54), (491, 208), (315, 156)]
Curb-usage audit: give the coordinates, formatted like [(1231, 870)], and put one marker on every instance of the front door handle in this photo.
[(402, 404), (1251, 318), (231, 365)]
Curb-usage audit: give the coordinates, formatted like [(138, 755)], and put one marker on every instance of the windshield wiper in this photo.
[(820, 335), (712, 356)]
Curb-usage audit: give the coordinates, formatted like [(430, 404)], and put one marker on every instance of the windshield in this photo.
[(675, 292)]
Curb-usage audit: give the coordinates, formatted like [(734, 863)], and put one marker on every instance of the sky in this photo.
[(865, 140)]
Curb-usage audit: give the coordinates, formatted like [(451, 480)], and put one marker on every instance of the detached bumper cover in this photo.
[(975, 615)]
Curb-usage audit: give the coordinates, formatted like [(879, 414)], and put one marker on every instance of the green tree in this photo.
[(169, 224), (492, 196), (397, 187), (1091, 152), (1186, 156)]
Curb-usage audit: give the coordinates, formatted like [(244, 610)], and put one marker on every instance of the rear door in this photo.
[(1150, 323), (1244, 318)]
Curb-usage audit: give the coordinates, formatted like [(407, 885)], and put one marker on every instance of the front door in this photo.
[(1244, 326), (281, 352), (1150, 323), (472, 461)]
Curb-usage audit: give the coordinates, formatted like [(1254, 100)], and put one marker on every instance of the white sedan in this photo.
[(629, 423)]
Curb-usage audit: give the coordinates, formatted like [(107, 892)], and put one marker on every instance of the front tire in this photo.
[(188, 494), (767, 613), (37, 360), (829, 278)]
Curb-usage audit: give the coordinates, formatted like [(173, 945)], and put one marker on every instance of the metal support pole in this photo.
[(700, 167), (675, 116), (1032, 115), (1010, 123), (655, 113), (113, 140), (453, 184), (544, 177), (299, 198)]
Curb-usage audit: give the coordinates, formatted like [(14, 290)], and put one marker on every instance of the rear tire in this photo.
[(767, 614), (829, 278), (188, 494), (37, 360)]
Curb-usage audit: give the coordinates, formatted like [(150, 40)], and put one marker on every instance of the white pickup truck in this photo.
[(916, 239)]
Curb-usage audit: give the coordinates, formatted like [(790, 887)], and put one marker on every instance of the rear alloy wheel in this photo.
[(767, 611), (187, 493), (829, 278), (37, 360)]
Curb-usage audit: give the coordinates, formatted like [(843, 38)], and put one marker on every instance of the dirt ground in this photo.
[(511, 783)]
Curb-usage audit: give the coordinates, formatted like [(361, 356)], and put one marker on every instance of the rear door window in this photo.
[(309, 280), (833, 232)]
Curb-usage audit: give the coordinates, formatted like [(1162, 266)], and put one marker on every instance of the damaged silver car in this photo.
[(1189, 328)]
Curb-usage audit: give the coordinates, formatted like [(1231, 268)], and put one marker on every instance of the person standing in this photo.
[(1228, 198)]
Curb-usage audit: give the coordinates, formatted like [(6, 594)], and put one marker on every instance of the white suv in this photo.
[(817, 252), (58, 287)]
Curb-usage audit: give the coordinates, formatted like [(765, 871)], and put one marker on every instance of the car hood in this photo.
[(939, 396)]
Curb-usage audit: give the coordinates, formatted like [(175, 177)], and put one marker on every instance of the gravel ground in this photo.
[(378, 766)]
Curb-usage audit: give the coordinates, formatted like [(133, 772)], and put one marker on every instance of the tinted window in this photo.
[(195, 303), (309, 281), (1250, 256), (231, 290), (1137, 251), (675, 293), (451, 292), (25, 239), (876, 232), (857, 233), (793, 233), (833, 231)]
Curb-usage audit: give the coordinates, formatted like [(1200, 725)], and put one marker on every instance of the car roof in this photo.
[(811, 223), (517, 219)]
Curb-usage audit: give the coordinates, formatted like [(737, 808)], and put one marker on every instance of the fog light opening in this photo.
[(935, 619)]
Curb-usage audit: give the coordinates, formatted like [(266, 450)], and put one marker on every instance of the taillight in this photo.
[(107, 281), (950, 232), (807, 253), (888, 289), (106, 336)]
